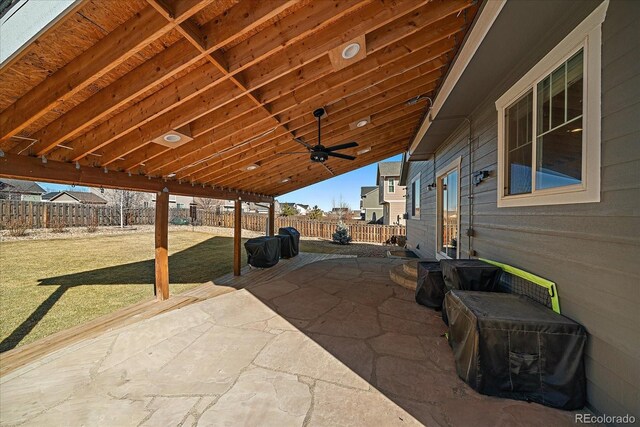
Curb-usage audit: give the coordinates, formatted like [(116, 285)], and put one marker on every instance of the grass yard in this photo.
[(50, 285)]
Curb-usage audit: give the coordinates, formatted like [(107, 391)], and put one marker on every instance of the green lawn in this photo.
[(50, 285)]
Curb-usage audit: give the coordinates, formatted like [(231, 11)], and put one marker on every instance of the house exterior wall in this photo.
[(370, 204), (590, 250), (386, 195), (392, 201)]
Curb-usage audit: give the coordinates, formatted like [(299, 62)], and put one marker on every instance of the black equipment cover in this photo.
[(470, 275), (509, 346), (295, 238), (286, 245), (263, 252), (430, 288)]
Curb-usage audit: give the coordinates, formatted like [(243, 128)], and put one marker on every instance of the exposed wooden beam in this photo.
[(176, 159), (162, 246), (166, 64), (271, 227), (406, 47), (286, 166), (108, 53), (230, 164), (305, 128), (237, 238), (296, 51), (32, 168)]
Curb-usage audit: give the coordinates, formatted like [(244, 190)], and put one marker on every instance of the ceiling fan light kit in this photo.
[(319, 153)]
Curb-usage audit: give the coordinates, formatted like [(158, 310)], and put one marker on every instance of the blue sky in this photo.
[(321, 194), (348, 185)]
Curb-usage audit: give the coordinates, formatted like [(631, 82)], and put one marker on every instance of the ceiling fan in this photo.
[(319, 153)]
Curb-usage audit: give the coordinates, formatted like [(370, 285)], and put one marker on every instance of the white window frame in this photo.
[(419, 199), (391, 185), (454, 165), (587, 36)]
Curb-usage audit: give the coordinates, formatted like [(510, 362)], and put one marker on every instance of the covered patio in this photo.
[(334, 342), (214, 99)]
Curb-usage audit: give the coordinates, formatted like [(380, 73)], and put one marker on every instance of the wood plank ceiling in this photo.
[(240, 77)]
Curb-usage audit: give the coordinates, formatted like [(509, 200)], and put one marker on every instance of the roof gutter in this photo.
[(486, 17)]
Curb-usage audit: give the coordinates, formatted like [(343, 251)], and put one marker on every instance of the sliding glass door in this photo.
[(448, 213)]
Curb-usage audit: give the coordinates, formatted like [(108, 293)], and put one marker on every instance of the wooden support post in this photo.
[(162, 246), (237, 238), (272, 219)]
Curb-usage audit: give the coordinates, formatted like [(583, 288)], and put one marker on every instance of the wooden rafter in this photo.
[(243, 76)]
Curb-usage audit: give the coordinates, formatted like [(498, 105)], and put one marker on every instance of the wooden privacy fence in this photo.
[(44, 214)]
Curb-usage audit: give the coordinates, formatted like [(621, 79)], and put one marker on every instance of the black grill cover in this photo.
[(470, 275), (286, 245), (295, 238), (509, 346), (263, 252), (430, 289)]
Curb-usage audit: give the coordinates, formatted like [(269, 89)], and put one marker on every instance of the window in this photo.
[(549, 125), (448, 202), (392, 185), (415, 197)]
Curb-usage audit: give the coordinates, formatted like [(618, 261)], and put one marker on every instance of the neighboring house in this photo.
[(543, 174), (391, 195), (300, 208), (17, 189), (370, 207), (78, 197), (251, 207), (303, 209)]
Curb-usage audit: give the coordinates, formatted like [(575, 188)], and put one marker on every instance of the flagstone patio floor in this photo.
[(333, 343)]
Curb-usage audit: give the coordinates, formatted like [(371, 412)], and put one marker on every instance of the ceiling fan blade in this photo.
[(300, 141), (342, 146), (341, 156)]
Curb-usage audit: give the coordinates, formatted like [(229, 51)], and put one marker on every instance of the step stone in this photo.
[(400, 277)]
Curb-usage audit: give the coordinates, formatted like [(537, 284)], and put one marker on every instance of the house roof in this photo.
[(366, 190), (238, 79), (80, 196), (20, 186), (388, 169)]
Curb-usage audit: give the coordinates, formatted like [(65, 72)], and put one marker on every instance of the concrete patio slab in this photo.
[(284, 352)]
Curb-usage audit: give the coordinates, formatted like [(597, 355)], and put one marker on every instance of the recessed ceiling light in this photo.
[(575, 130), (171, 175), (364, 150), (361, 123), (286, 180), (350, 50), (252, 167), (172, 137)]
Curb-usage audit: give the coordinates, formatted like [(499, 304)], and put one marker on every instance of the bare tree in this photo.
[(124, 200), (209, 205), (340, 209)]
